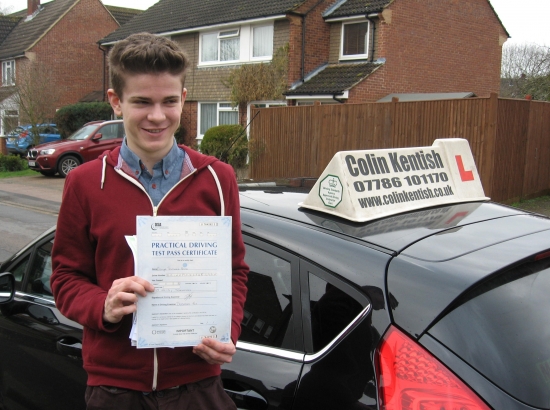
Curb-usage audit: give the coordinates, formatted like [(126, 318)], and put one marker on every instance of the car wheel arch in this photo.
[(69, 156)]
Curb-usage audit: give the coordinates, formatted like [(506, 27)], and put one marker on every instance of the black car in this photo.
[(439, 308)]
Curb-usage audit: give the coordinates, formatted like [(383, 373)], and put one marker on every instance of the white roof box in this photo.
[(366, 185)]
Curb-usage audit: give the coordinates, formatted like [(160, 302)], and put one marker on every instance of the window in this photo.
[(39, 277), (8, 72), (268, 307), (237, 45), (221, 46), (213, 114), (331, 311), (111, 131), (9, 120), (355, 40), (262, 41)]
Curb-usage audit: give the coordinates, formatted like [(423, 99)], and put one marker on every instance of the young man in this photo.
[(93, 280)]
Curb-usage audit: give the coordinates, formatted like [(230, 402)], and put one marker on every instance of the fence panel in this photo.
[(510, 139)]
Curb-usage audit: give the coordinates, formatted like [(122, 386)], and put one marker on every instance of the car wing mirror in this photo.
[(7, 287), (97, 136)]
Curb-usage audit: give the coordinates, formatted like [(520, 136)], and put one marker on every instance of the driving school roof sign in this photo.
[(365, 185)]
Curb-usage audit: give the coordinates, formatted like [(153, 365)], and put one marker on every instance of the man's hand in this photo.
[(121, 299), (214, 351)]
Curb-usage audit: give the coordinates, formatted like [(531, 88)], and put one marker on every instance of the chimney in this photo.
[(32, 6)]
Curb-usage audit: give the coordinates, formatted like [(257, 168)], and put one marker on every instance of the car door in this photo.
[(339, 341), (111, 137), (41, 364), (266, 368), (49, 133)]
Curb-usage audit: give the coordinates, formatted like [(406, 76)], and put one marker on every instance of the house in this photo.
[(339, 51), (50, 57)]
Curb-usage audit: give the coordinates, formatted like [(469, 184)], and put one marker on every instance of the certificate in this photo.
[(188, 261)]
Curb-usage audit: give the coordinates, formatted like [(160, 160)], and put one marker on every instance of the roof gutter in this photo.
[(205, 28)]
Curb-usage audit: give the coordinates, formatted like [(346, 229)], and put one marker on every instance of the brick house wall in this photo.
[(205, 84), (317, 39), (69, 51), (435, 46)]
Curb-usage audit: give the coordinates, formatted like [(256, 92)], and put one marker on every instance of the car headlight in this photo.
[(47, 151)]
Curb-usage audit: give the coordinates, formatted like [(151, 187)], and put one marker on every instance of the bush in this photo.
[(72, 117), (227, 143), (11, 163)]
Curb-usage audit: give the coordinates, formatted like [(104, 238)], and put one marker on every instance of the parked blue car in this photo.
[(21, 138)]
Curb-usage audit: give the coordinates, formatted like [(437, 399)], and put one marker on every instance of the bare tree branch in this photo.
[(35, 95), (526, 71)]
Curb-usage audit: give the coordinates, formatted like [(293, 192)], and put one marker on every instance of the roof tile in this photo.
[(26, 33), (358, 8), (334, 79), (172, 15)]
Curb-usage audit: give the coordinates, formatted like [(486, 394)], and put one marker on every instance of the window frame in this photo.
[(367, 40), (245, 34), (5, 80), (305, 269), (221, 106), (296, 319), (261, 58)]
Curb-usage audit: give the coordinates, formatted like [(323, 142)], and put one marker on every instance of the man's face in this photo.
[(150, 107)]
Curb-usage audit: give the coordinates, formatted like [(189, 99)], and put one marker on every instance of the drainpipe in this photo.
[(303, 17), (104, 67), (372, 39)]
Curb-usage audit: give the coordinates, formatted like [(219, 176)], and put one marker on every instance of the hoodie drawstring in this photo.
[(222, 203), (103, 171)]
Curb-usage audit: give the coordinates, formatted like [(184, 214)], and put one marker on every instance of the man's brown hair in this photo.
[(144, 53)]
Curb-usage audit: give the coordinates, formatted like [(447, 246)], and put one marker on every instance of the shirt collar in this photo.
[(169, 163)]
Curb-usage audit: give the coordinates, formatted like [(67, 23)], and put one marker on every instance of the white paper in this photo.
[(188, 261)]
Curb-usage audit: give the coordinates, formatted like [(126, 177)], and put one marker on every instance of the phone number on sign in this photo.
[(395, 182)]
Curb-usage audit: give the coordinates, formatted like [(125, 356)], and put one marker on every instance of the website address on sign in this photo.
[(405, 196)]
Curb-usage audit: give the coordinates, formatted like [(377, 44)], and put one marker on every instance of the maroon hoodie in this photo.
[(99, 207)]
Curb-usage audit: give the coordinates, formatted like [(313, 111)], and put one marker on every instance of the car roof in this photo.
[(394, 233)]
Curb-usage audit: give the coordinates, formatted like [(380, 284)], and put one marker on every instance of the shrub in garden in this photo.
[(72, 117), (11, 163), (227, 143)]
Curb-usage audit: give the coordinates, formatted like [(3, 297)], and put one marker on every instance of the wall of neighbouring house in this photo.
[(70, 53), (205, 84), (317, 37), (436, 46)]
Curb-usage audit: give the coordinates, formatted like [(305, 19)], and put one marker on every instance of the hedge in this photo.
[(72, 117)]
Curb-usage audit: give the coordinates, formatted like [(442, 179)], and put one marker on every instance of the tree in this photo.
[(35, 95), (5, 10), (258, 82), (526, 71)]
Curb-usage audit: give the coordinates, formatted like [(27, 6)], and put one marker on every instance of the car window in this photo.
[(19, 270), (268, 307), (110, 131), (501, 328), (83, 132), (38, 282), (332, 309)]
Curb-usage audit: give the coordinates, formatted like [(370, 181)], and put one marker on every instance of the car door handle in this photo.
[(70, 346), (247, 399)]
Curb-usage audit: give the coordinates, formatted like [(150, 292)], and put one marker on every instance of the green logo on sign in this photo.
[(331, 191)]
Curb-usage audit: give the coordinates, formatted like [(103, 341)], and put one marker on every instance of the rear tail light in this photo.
[(23, 135), (410, 378)]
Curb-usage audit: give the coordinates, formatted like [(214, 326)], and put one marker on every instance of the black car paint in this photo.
[(352, 255)]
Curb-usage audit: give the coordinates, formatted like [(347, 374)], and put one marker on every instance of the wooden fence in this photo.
[(510, 139)]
